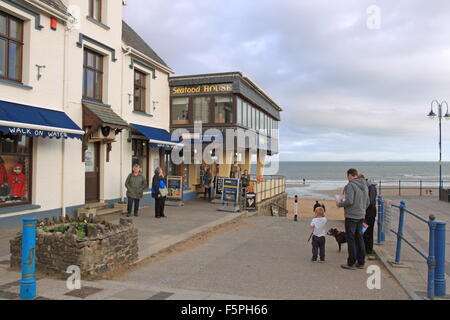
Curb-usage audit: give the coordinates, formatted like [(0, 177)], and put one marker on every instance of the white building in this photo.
[(93, 83)]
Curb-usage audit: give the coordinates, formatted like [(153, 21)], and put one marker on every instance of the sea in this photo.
[(332, 175)]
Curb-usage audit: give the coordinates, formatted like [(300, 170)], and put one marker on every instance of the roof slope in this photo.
[(131, 38), (57, 4)]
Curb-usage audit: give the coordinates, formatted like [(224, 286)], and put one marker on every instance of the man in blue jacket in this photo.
[(355, 205)]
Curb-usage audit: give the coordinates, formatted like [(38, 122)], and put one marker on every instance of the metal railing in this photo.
[(421, 186), (436, 285), (268, 187)]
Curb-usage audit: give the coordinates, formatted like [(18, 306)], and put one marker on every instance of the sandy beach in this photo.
[(306, 209), (335, 214), (388, 191)]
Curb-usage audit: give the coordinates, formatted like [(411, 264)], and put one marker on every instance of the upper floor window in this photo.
[(180, 110), (139, 91), (11, 47), (95, 9), (93, 76), (223, 109), (201, 109)]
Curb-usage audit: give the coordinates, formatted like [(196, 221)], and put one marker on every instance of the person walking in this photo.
[(355, 204), (159, 193), (371, 214), (207, 180), (135, 184)]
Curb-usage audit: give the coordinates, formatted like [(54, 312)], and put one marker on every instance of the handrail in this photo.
[(411, 213), (436, 249)]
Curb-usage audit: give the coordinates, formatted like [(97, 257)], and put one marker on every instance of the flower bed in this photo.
[(96, 247)]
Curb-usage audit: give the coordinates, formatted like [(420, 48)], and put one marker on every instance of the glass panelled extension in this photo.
[(231, 104)]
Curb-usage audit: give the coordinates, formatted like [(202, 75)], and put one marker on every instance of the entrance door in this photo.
[(93, 172)]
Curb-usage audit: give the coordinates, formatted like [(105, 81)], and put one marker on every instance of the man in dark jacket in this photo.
[(159, 193), (317, 205), (371, 215), (135, 184), (355, 204)]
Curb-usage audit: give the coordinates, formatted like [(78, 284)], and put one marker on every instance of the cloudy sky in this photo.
[(349, 92)]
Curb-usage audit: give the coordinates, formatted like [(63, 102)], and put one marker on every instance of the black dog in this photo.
[(341, 237)]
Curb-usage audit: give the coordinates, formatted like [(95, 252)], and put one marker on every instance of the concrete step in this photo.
[(97, 205), (109, 211)]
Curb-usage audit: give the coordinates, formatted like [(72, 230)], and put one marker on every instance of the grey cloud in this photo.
[(339, 83)]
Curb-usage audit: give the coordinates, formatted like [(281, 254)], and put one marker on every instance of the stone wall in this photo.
[(265, 207), (105, 248)]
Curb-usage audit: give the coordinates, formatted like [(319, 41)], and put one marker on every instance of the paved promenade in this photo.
[(414, 274), (250, 258)]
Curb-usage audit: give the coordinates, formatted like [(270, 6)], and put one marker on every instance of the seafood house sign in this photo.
[(202, 89)]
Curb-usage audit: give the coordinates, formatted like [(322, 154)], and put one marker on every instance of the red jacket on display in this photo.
[(17, 183)]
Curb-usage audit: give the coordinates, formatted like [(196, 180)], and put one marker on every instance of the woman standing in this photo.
[(207, 179), (159, 192), (135, 185)]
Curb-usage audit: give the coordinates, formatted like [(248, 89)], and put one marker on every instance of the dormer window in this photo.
[(95, 9)]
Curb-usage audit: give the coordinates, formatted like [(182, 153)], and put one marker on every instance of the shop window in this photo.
[(180, 111), (140, 156), (244, 114), (11, 47), (257, 119), (95, 9), (15, 169), (223, 110), (139, 91), (92, 76), (201, 109), (239, 111)]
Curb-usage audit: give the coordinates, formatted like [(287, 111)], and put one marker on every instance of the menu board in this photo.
[(175, 187), (219, 185), (230, 191)]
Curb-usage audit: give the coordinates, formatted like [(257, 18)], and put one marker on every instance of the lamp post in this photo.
[(432, 116)]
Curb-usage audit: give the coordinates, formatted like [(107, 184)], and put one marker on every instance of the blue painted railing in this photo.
[(436, 286)]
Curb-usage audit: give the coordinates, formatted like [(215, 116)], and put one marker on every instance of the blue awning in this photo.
[(158, 138), (36, 122)]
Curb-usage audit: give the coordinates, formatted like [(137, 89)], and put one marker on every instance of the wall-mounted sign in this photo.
[(230, 191), (175, 187), (202, 89)]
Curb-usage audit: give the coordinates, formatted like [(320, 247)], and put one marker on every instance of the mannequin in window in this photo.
[(4, 186), (17, 181)]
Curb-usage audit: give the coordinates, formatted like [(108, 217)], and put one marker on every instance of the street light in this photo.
[(432, 116)]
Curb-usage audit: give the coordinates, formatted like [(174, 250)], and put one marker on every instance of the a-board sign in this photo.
[(175, 187), (230, 191), (219, 185), (250, 201)]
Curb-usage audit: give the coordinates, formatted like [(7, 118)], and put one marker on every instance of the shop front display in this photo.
[(15, 169)]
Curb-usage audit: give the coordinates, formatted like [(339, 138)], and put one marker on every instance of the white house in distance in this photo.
[(82, 98)]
